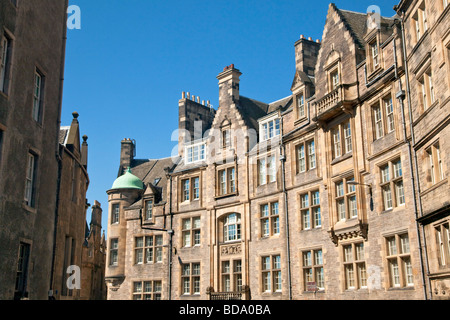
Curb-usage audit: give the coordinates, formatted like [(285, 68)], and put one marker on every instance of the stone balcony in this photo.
[(335, 102)]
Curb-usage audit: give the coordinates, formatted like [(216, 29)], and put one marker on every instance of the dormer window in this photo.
[(226, 138), (195, 152), (270, 128), (374, 55), (226, 134), (300, 106), (148, 210), (334, 79)]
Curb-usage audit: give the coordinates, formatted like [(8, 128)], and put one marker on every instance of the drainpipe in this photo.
[(170, 234), (57, 148), (288, 248), (413, 158)]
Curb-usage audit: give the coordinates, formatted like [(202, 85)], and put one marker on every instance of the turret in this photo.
[(125, 190)]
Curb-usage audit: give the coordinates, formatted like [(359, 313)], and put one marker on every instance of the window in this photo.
[(22, 270), (115, 213), (5, 62), (313, 269), (374, 57), (267, 170), (306, 156), (390, 122), (113, 252), (196, 188), (342, 139), (190, 278), (345, 195), (355, 274), (232, 227), (231, 275), (392, 184), (420, 22), (30, 181), (186, 190), (227, 181), (301, 112), (270, 129), (336, 134), (310, 210), (226, 138), (436, 170), (148, 207), (383, 117), (399, 261), (443, 244), (270, 219), (271, 273), (191, 231), (148, 249), (38, 96), (195, 153), (190, 189), (334, 80), (427, 89), (147, 290)]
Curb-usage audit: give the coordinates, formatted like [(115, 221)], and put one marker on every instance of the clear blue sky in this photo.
[(129, 63)]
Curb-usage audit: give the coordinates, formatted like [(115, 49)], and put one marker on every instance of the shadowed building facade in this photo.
[(32, 50)]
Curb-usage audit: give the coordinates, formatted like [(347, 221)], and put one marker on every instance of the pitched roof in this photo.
[(152, 171), (251, 110), (356, 23)]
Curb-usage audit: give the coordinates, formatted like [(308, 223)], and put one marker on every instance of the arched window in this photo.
[(232, 227)]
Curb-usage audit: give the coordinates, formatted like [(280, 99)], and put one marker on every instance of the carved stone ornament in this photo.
[(231, 249), (358, 230)]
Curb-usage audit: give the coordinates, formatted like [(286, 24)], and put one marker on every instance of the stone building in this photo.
[(93, 286), (73, 183), (323, 194), (426, 26), (32, 51)]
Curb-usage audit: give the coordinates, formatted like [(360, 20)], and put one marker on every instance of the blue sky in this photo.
[(129, 63)]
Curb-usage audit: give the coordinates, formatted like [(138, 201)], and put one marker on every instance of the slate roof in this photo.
[(252, 110), (152, 171), (356, 22)]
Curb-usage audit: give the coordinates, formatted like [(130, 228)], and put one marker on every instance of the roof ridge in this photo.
[(289, 96)]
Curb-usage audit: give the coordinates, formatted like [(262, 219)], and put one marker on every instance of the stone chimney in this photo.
[(127, 154), (229, 86), (96, 216), (306, 52)]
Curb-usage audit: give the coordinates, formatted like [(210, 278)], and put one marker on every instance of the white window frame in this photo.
[(270, 128), (195, 152), (391, 183), (30, 180)]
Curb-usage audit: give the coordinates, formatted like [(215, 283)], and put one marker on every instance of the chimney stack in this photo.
[(306, 52), (127, 153), (229, 85)]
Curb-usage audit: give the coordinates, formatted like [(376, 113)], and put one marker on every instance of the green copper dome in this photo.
[(128, 181)]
